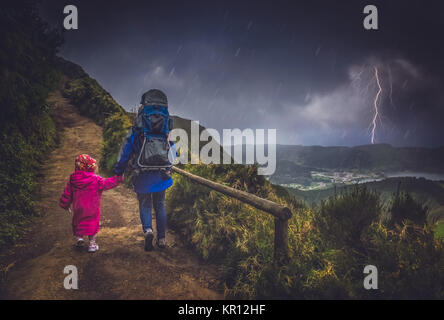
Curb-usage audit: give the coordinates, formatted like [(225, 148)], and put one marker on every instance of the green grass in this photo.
[(439, 231), (28, 72), (94, 102), (328, 244)]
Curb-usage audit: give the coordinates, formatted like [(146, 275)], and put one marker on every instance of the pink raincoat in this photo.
[(84, 190)]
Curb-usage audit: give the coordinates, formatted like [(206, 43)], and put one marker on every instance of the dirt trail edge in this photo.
[(121, 269)]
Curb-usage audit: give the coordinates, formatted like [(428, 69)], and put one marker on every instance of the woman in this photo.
[(150, 186)]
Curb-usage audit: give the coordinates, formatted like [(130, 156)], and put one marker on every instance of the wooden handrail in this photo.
[(281, 213)]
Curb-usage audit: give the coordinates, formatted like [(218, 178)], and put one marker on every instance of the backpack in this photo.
[(153, 124)]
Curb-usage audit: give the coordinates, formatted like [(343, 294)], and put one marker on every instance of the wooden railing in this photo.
[(281, 213)]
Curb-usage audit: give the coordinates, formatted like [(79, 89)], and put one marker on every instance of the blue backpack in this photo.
[(153, 123)]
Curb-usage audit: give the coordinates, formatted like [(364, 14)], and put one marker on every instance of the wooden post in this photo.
[(281, 241), (282, 214)]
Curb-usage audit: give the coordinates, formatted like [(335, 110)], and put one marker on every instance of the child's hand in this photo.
[(70, 210)]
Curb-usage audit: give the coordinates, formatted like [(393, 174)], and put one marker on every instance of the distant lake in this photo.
[(327, 179), (425, 175), (403, 174)]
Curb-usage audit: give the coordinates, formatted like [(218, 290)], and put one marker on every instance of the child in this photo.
[(84, 190)]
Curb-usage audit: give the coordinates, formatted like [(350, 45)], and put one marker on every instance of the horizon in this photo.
[(324, 146), (351, 147)]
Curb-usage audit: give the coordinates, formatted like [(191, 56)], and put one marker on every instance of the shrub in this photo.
[(409, 259), (343, 218), (405, 207), (329, 246), (27, 131)]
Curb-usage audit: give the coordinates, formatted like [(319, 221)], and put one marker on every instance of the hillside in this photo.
[(297, 164), (28, 73), (378, 157), (424, 191)]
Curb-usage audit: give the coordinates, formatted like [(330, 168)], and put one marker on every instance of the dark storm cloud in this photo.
[(303, 67)]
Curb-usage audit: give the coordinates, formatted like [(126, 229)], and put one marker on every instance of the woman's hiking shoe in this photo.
[(93, 247), (149, 235), (80, 242), (161, 243)]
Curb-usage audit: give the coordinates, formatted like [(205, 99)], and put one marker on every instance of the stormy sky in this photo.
[(306, 68)]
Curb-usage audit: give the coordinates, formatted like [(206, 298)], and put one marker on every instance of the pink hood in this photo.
[(82, 179)]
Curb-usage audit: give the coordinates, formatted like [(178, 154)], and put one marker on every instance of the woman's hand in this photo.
[(70, 210)]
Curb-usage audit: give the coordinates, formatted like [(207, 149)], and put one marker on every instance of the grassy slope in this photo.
[(430, 193), (439, 230), (94, 102), (28, 73), (328, 245), (424, 190)]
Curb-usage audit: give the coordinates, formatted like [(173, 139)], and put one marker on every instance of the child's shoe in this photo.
[(93, 246), (149, 240), (80, 242)]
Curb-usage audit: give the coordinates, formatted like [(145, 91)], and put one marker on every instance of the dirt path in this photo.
[(121, 269)]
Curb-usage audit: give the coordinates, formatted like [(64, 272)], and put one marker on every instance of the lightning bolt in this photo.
[(376, 106)]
